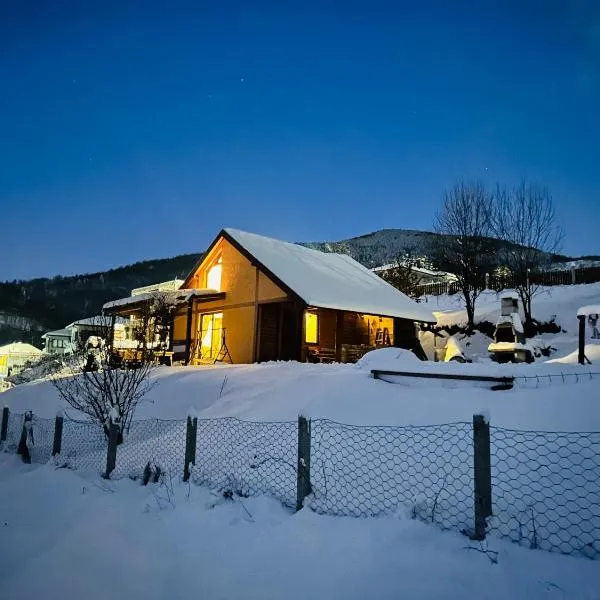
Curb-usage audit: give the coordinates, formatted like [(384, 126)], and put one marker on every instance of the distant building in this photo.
[(75, 335), (13, 357), (424, 275)]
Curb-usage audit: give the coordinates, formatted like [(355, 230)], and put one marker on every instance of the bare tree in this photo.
[(107, 381), (465, 248), (524, 218)]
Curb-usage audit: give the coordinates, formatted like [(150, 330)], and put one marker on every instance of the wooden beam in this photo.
[(377, 373), (339, 334), (188, 330)]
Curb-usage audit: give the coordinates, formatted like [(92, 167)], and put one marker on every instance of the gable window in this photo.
[(311, 328), (213, 276)]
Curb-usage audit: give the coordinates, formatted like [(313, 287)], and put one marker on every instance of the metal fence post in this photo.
[(4, 427), (303, 472), (482, 475), (111, 452), (190, 446), (58, 429)]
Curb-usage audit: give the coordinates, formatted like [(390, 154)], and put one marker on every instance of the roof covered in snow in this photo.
[(513, 320), (97, 321), (176, 296), (591, 309), (329, 280), (57, 333), (19, 348)]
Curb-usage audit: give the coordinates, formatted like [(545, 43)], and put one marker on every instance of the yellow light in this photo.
[(213, 277), (311, 328)]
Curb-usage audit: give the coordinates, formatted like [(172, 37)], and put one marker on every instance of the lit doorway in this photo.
[(211, 335)]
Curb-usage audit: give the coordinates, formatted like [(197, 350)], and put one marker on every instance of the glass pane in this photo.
[(311, 327)]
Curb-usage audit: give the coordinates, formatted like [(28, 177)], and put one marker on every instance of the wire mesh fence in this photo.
[(247, 458), (362, 471), (158, 442), (546, 490), (545, 486)]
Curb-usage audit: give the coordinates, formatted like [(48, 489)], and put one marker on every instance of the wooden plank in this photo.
[(377, 373)]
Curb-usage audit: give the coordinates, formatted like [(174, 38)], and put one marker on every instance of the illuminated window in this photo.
[(213, 276), (311, 328)]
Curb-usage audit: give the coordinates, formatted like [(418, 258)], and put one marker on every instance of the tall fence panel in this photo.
[(363, 471), (83, 446), (247, 458), (546, 490), (41, 439), (160, 443)]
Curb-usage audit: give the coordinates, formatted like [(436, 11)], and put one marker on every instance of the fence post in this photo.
[(482, 475), (573, 276), (190, 446), (303, 472), (4, 427), (111, 452), (58, 429)]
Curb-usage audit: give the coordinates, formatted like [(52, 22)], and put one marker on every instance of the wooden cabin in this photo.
[(256, 299)]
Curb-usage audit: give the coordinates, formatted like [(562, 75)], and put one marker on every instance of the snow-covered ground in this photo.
[(348, 393), (66, 536)]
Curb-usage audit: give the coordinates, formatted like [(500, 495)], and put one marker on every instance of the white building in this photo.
[(13, 357)]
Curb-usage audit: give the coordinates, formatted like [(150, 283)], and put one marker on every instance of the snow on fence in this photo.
[(563, 277), (538, 489)]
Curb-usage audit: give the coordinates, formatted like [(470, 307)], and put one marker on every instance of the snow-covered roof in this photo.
[(170, 295), (509, 296), (163, 286), (19, 348), (423, 270), (58, 333), (329, 280), (97, 321), (591, 309)]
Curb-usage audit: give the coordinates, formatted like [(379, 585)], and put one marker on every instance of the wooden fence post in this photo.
[(303, 472), (111, 452), (23, 448), (581, 347), (4, 427), (58, 429), (190, 446), (482, 475)]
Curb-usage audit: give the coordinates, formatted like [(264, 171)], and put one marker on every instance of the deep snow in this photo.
[(66, 536)]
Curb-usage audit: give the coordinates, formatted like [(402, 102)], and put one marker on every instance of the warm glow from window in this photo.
[(311, 328), (213, 276)]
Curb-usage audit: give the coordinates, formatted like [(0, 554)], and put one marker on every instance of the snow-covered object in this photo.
[(329, 280), (591, 309), (388, 359), (509, 295), (513, 320), (508, 347), (454, 350)]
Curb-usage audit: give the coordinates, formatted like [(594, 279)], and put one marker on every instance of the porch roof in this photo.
[(176, 297)]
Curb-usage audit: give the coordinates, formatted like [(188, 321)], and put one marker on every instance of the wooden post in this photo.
[(303, 472), (111, 453), (188, 331), (4, 427), (339, 335), (190, 446), (581, 353), (58, 429), (482, 475), (573, 276), (22, 448)]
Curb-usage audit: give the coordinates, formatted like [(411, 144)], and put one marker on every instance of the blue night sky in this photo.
[(134, 131)]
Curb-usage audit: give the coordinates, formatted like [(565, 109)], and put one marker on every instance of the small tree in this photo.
[(525, 219), (465, 248), (402, 274), (99, 383)]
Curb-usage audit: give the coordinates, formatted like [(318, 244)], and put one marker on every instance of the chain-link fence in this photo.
[(247, 458), (539, 489), (546, 489), (362, 471)]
